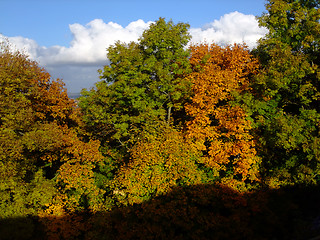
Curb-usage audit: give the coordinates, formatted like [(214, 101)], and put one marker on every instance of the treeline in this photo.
[(174, 142)]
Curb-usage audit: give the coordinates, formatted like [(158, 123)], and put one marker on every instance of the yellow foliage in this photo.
[(158, 163)]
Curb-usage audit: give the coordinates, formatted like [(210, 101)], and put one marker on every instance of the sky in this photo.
[(69, 38)]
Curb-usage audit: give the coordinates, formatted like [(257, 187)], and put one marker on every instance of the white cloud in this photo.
[(88, 46), (78, 63), (231, 28), (90, 41), (28, 46)]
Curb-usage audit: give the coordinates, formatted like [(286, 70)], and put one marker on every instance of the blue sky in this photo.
[(69, 37)]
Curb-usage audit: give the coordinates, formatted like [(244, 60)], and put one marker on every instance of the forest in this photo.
[(176, 141)]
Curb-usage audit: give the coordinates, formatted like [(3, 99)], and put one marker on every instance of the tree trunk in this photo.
[(169, 115)]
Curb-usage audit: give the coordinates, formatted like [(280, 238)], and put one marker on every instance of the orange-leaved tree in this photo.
[(218, 126), (45, 167)]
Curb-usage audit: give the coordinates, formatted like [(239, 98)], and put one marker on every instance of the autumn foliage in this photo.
[(45, 167), (219, 127), (174, 142), (158, 164)]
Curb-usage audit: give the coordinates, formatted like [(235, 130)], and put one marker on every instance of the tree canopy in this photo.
[(218, 126), (287, 92), (176, 141), (45, 167), (143, 84)]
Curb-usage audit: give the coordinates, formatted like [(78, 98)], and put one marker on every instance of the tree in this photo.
[(286, 107), (219, 127), (44, 164), (143, 84), (294, 23), (159, 163)]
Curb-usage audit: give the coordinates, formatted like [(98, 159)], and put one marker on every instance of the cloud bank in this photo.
[(78, 63), (231, 28), (88, 46)]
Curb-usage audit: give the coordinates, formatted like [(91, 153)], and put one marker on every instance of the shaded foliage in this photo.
[(286, 93), (196, 212)]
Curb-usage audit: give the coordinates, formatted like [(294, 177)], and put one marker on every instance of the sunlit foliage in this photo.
[(142, 84), (41, 156), (158, 163), (174, 142), (219, 128)]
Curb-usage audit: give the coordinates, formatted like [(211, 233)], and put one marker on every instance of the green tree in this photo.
[(143, 84), (294, 23), (287, 98)]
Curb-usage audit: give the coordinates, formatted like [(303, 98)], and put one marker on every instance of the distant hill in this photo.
[(74, 95)]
